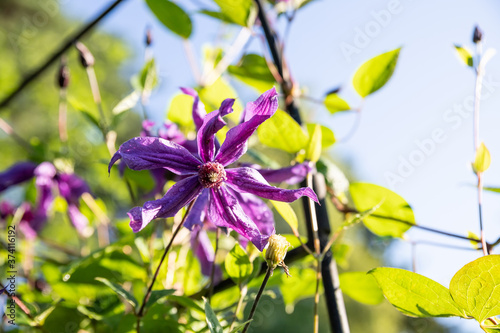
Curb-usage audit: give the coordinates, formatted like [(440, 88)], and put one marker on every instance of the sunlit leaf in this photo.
[(180, 110), (156, 295), (415, 295), (464, 55), (482, 160), (313, 150), (283, 132), (476, 287), (127, 103), (119, 291), (375, 73), (301, 284), (212, 321), (394, 216), (361, 287), (334, 103), (238, 265), (241, 12), (253, 70), (287, 213), (213, 95), (172, 16), (492, 189)]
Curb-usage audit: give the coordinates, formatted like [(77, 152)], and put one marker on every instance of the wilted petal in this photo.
[(153, 153), (198, 108), (251, 181), (204, 251), (198, 211), (224, 211), (256, 210), (16, 174), (291, 175), (212, 123), (178, 196), (257, 112), (79, 221)]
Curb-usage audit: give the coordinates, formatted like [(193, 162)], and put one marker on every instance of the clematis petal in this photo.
[(153, 153), (264, 105), (225, 211), (257, 112), (212, 123), (291, 175), (203, 249), (198, 108), (178, 196), (256, 210), (251, 181), (147, 127), (16, 174), (198, 211), (79, 221), (71, 187)]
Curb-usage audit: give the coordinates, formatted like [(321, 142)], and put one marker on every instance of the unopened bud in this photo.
[(86, 58), (477, 35), (149, 37), (63, 75), (333, 91), (276, 252)]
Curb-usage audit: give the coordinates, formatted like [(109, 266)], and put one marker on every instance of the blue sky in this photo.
[(428, 86)]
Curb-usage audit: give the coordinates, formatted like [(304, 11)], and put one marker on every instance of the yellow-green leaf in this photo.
[(476, 287), (172, 16), (464, 55), (180, 110), (394, 216), (374, 74), (415, 295), (283, 132), (287, 213), (313, 151), (334, 103), (238, 265), (482, 160), (361, 287)]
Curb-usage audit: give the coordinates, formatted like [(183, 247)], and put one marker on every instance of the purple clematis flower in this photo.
[(16, 174), (206, 173)]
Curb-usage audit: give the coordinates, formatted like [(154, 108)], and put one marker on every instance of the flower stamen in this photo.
[(212, 174)]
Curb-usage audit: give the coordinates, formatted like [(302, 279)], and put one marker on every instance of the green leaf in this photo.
[(156, 295), (464, 55), (374, 74), (492, 189), (301, 284), (241, 12), (313, 151), (180, 110), (327, 136), (334, 103), (472, 235), (213, 95), (253, 70), (40, 318), (287, 213), (283, 132), (127, 103), (148, 77), (361, 287), (415, 295), (393, 215), (356, 218), (119, 291), (476, 287), (186, 302), (483, 159), (172, 16), (212, 321), (238, 265)]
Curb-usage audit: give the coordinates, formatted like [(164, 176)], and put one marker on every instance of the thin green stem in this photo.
[(140, 313), (243, 293), (269, 272)]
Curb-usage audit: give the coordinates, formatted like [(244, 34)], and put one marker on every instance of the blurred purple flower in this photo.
[(16, 174), (202, 248), (206, 171)]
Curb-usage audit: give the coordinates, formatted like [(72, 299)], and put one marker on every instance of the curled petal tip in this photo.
[(310, 193), (115, 158), (135, 215)]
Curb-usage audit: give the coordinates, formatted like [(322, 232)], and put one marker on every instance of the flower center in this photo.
[(212, 174)]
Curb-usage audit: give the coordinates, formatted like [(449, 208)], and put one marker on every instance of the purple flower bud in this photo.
[(16, 174), (477, 36), (149, 37)]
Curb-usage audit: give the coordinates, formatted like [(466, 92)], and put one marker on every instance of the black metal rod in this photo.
[(57, 54), (333, 294)]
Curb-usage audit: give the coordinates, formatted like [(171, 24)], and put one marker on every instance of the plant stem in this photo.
[(192, 60), (477, 101), (140, 313), (63, 116), (243, 293), (317, 250), (57, 54), (269, 272), (212, 272), (4, 126)]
